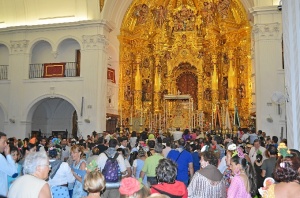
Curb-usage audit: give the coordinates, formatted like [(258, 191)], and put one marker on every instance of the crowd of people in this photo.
[(189, 164)]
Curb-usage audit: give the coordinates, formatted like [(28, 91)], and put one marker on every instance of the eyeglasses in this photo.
[(49, 165)]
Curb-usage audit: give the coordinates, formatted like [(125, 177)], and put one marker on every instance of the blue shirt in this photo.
[(196, 161), (182, 162), (7, 168), (252, 137)]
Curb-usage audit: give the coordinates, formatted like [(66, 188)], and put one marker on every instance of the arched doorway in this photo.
[(187, 83), (54, 116)]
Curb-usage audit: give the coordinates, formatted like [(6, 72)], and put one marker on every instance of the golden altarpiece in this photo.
[(184, 63)]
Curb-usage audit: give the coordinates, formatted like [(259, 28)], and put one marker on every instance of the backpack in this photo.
[(111, 169)]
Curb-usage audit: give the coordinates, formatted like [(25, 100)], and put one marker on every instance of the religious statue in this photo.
[(141, 12), (184, 19), (223, 8), (207, 94), (127, 94), (167, 56), (198, 24), (225, 58), (225, 87), (241, 91), (207, 13), (146, 90), (160, 15)]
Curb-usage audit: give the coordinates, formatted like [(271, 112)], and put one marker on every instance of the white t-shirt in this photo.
[(253, 153), (62, 176), (177, 135), (102, 160)]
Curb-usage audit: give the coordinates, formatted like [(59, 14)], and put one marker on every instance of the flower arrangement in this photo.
[(55, 141)]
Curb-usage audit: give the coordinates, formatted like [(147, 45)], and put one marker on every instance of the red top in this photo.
[(177, 189)]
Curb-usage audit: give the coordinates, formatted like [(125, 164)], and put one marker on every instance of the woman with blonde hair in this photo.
[(94, 183), (78, 169)]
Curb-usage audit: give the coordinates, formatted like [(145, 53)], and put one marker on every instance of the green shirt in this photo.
[(151, 164)]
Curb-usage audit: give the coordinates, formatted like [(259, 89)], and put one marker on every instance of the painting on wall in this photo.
[(111, 75), (54, 70)]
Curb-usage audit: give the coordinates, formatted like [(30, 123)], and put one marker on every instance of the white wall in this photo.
[(269, 73)]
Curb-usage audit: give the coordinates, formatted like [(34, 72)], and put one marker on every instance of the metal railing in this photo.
[(3, 72), (37, 70)]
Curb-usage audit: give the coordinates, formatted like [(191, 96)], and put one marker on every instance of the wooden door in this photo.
[(187, 83)]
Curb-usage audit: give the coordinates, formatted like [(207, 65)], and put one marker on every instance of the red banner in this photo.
[(111, 75), (54, 70)]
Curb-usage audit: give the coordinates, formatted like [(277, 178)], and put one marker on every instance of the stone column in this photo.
[(291, 40), (18, 70), (94, 56), (267, 63)]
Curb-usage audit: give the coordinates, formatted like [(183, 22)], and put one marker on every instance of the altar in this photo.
[(178, 110)]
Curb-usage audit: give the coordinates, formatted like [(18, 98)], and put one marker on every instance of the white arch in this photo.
[(62, 39), (35, 41), (6, 45), (28, 113)]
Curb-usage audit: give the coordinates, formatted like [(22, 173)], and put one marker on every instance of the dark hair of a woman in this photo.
[(166, 171), (188, 147), (294, 152), (186, 131), (133, 134), (286, 170), (27, 148), (210, 157), (250, 172), (132, 157), (52, 153), (258, 158)]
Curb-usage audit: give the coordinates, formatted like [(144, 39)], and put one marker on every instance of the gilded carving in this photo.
[(176, 42)]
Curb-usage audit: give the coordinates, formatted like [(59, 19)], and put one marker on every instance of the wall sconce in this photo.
[(11, 120), (87, 120)]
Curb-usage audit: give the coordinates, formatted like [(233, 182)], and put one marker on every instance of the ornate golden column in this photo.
[(214, 81), (138, 85), (231, 82), (156, 86), (200, 85)]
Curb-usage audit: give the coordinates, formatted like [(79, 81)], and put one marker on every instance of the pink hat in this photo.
[(129, 186)]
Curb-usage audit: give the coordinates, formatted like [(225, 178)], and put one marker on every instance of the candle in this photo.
[(141, 122), (149, 120), (121, 117), (159, 121), (131, 116)]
